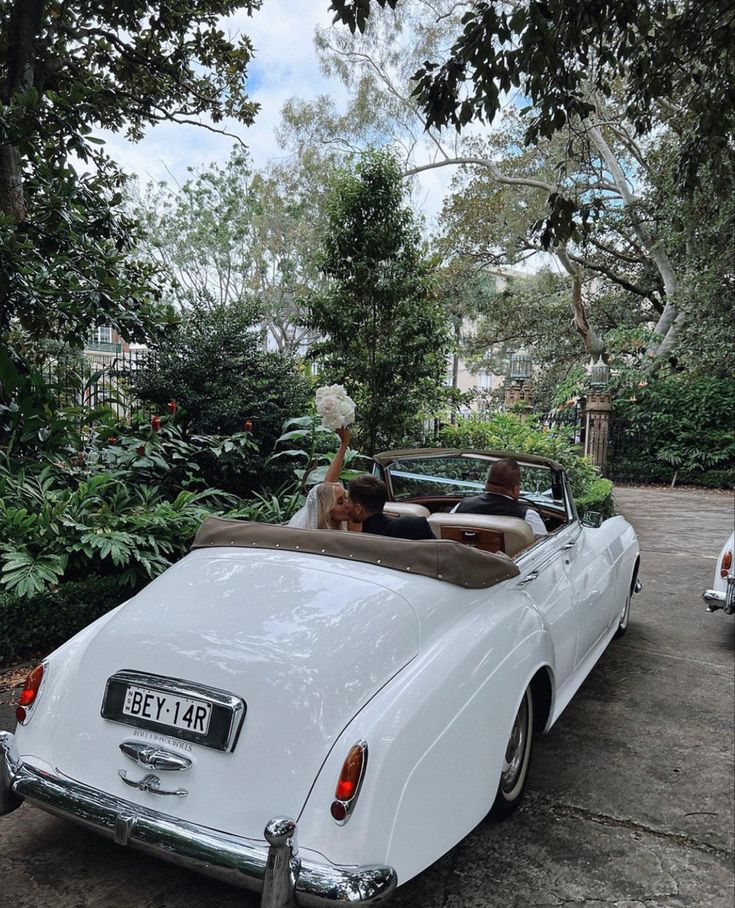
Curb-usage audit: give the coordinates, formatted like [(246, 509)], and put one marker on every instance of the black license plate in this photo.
[(177, 708)]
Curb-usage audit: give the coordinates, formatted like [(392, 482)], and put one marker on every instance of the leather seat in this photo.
[(405, 509), (484, 531)]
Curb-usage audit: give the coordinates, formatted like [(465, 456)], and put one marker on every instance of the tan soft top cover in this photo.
[(441, 559)]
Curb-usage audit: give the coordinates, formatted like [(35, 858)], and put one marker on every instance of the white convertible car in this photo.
[(372, 698)]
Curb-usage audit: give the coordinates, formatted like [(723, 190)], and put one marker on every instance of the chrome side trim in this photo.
[(233, 859)]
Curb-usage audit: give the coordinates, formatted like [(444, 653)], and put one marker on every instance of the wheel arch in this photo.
[(542, 689)]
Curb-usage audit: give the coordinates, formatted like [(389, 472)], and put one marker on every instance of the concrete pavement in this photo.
[(630, 800)]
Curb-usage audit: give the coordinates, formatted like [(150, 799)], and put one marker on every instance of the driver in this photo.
[(501, 496)]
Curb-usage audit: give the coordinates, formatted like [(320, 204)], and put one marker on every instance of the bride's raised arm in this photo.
[(335, 467)]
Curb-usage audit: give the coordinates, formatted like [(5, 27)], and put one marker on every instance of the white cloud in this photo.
[(285, 65)]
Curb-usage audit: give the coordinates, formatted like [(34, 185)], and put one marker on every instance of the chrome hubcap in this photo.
[(516, 748)]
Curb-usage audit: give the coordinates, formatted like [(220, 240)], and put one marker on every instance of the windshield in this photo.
[(463, 475)]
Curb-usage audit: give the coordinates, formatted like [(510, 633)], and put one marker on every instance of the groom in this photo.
[(367, 498)]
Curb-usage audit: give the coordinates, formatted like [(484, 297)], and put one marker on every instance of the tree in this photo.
[(223, 383), (384, 336), (68, 67), (230, 234), (675, 57), (584, 186)]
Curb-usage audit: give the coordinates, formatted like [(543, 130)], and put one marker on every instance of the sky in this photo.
[(285, 65)]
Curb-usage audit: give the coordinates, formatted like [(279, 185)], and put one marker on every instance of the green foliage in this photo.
[(35, 625), (213, 366), (67, 260), (311, 450), (383, 335), (128, 503), (553, 43), (681, 421), (597, 495), (519, 434), (229, 234)]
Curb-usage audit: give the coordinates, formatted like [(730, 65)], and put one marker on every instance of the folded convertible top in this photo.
[(441, 559)]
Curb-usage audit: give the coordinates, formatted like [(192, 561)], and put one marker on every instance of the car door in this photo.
[(545, 580)]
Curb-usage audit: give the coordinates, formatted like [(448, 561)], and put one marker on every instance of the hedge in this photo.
[(35, 626)]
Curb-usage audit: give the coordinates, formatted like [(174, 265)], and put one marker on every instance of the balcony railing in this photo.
[(103, 347)]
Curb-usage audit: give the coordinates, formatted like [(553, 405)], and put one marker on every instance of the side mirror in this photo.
[(592, 519)]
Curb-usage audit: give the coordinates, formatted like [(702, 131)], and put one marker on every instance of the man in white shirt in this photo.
[(502, 497)]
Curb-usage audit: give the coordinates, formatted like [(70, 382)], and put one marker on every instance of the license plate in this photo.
[(174, 707), (167, 709)]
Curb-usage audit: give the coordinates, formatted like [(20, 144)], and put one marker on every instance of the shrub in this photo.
[(674, 428), (597, 496), (35, 626), (214, 368), (55, 525)]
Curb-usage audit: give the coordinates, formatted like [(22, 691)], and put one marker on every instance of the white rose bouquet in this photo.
[(336, 409)]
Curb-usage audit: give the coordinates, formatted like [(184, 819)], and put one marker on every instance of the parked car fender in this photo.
[(436, 738), (44, 734)]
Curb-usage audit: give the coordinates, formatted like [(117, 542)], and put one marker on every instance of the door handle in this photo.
[(532, 576), (569, 545)]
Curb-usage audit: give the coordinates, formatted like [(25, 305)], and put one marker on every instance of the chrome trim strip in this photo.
[(232, 859), (191, 689)]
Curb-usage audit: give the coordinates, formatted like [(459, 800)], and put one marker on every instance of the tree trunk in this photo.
[(23, 27), (662, 343), (593, 343)]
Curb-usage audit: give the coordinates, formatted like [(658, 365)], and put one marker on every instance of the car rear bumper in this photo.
[(233, 859), (724, 600)]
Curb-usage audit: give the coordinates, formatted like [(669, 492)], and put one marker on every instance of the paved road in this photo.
[(630, 800)]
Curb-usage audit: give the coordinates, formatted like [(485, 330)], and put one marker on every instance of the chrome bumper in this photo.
[(716, 600), (276, 871)]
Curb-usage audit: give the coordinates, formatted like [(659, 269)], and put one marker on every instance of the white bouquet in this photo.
[(336, 409)]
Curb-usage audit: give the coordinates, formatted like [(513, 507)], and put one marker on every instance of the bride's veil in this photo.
[(307, 517)]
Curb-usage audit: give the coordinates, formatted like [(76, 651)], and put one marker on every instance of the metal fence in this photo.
[(99, 377)]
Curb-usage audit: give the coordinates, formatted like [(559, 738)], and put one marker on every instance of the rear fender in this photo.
[(436, 739)]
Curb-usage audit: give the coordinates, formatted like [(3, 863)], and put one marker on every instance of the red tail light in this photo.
[(29, 693), (726, 563), (350, 779)]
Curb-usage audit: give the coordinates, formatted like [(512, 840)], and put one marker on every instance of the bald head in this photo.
[(503, 476)]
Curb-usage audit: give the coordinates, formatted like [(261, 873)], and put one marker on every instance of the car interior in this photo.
[(432, 485)]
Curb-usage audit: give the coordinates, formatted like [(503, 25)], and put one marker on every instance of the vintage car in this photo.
[(722, 594), (378, 694)]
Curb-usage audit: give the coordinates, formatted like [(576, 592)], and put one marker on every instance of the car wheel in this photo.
[(516, 762), (625, 617)]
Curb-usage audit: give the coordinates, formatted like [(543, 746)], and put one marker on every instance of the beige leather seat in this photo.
[(405, 509), (484, 531)]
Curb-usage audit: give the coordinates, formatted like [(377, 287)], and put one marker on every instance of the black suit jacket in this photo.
[(490, 503), (398, 527)]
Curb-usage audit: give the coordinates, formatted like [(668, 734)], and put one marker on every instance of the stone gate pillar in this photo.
[(597, 427), (518, 393)]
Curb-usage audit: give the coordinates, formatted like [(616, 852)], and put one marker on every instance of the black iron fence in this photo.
[(98, 378)]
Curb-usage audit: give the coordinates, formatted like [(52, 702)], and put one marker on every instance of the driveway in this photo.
[(630, 801)]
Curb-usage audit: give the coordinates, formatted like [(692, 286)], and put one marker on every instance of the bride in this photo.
[(326, 505)]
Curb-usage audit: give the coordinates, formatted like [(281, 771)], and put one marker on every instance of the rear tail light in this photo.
[(29, 693), (726, 563), (349, 782)]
